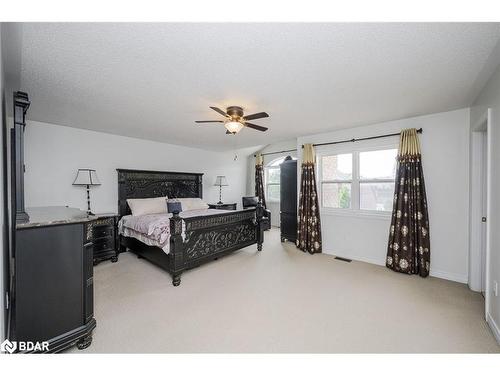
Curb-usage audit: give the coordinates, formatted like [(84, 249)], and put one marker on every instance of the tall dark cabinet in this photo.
[(288, 200)]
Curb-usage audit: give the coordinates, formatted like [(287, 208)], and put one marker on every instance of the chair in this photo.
[(252, 202)]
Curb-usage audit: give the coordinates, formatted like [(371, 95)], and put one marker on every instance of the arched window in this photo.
[(272, 179)]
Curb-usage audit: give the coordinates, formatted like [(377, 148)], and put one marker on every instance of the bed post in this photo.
[(259, 213), (176, 249)]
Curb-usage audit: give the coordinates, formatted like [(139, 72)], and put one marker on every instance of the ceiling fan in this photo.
[(235, 120)]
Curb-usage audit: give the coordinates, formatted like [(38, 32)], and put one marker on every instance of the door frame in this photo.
[(480, 130)]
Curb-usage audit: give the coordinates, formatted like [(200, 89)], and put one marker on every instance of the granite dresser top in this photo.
[(54, 215)]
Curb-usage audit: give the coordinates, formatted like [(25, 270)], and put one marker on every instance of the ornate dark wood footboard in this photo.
[(205, 238), (209, 237)]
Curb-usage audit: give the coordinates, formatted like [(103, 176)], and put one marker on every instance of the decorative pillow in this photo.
[(189, 204), (174, 206), (146, 206)]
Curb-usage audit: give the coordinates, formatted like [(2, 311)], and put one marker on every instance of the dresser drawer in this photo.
[(102, 231), (104, 244), (107, 221)]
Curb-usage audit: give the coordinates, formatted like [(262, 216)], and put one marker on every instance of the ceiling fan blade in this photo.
[(256, 127), (202, 122), (255, 116), (220, 111)]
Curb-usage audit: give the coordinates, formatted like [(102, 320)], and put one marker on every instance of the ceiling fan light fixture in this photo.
[(233, 126), (235, 121)]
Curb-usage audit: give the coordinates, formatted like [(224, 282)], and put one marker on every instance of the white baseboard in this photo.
[(450, 276), (435, 273), (494, 327)]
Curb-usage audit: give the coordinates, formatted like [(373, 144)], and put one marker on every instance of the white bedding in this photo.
[(154, 229)]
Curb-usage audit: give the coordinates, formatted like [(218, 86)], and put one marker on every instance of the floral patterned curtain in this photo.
[(409, 245), (259, 179), (309, 225)]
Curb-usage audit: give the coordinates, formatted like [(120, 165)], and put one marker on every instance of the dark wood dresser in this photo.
[(288, 200), (105, 234), (52, 288), (50, 295)]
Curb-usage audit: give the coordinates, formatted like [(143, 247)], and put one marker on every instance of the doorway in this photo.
[(479, 198), (484, 206)]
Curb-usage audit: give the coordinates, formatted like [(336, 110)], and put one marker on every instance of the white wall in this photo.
[(2, 203), (490, 98), (445, 158), (54, 153), (274, 207)]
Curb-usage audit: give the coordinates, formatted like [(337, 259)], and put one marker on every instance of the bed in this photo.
[(193, 239)]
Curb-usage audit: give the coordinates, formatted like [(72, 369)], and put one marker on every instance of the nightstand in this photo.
[(223, 206), (105, 237)]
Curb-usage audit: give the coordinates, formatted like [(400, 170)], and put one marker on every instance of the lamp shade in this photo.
[(221, 181), (233, 126), (86, 176)]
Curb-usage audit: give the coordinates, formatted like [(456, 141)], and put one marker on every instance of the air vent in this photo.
[(344, 259)]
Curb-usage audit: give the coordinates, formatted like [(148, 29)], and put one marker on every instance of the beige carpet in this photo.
[(282, 300)]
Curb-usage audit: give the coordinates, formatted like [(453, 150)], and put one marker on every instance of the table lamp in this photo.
[(87, 177), (220, 181)]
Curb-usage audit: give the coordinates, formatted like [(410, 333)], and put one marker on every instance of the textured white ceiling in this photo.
[(153, 80)]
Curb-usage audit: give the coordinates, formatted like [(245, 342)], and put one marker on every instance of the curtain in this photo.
[(309, 225), (408, 250), (259, 179)]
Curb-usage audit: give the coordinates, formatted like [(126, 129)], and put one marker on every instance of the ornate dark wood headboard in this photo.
[(151, 184)]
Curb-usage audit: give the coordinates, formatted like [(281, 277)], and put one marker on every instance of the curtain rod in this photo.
[(360, 139), (345, 141), (277, 152)]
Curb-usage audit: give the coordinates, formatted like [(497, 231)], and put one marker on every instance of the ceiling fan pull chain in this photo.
[(234, 148)]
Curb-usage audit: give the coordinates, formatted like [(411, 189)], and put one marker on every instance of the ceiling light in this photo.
[(233, 126)]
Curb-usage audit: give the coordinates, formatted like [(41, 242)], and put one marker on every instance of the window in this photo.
[(377, 171), (272, 179), (337, 180), (359, 180)]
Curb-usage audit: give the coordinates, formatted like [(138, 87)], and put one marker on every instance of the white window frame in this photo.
[(355, 150), (334, 181)]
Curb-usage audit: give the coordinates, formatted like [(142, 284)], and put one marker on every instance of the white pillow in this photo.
[(189, 204), (146, 206)]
